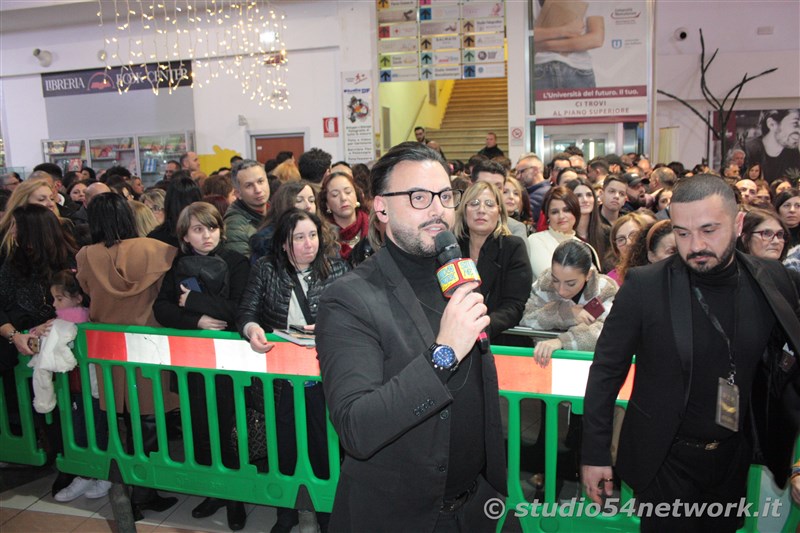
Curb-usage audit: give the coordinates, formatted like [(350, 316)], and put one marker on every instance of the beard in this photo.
[(410, 241), (723, 261)]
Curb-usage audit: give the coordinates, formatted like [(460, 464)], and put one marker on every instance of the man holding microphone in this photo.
[(413, 399)]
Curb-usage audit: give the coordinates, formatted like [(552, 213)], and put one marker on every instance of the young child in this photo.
[(68, 301)]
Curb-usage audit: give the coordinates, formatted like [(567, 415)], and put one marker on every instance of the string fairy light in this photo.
[(239, 39)]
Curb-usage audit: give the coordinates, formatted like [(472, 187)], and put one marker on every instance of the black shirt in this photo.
[(467, 455), (747, 320), (492, 152)]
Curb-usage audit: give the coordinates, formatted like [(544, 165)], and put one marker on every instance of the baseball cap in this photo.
[(633, 179)]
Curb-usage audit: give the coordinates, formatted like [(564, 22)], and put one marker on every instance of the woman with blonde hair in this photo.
[(154, 200), (502, 259), (30, 191), (518, 203), (145, 220)]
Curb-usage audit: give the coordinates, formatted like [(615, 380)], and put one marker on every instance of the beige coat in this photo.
[(122, 283)]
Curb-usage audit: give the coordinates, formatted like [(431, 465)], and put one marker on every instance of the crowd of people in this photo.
[(259, 247)]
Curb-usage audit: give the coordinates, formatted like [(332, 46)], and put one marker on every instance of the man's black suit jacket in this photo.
[(388, 405), (652, 318)]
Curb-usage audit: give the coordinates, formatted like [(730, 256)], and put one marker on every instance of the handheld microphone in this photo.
[(455, 272)]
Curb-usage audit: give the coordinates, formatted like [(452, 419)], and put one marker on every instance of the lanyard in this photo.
[(718, 326)]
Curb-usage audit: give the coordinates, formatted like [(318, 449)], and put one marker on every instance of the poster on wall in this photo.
[(769, 138), (440, 39), (590, 61), (359, 131)]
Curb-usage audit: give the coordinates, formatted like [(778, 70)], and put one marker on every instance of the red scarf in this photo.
[(359, 228)]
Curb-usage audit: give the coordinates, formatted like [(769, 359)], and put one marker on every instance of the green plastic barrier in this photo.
[(20, 445), (582, 515), (159, 469)]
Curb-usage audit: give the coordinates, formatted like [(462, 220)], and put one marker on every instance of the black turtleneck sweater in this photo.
[(747, 320), (465, 414), (794, 237)]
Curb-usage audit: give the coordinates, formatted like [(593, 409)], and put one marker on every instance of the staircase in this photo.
[(476, 106)]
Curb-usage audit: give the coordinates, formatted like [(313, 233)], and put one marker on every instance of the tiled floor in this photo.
[(30, 508)]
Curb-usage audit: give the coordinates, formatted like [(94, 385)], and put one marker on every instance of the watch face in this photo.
[(444, 356)]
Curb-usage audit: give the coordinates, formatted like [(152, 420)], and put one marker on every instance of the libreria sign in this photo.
[(134, 78)]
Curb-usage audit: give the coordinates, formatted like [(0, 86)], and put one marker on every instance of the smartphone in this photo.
[(300, 329), (192, 284), (595, 307), (33, 344)]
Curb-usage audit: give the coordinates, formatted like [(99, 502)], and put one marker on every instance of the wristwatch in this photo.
[(443, 357)]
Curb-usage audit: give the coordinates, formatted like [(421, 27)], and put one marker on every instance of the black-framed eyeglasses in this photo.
[(768, 234), (422, 199)]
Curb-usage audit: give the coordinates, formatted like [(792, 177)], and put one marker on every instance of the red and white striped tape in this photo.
[(220, 354), (562, 377)]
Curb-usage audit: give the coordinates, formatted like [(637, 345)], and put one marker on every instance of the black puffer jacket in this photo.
[(221, 306), (269, 291)]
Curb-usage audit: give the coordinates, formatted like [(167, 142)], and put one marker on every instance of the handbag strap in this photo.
[(301, 298)]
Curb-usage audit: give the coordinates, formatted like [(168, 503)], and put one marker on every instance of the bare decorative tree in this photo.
[(718, 106)]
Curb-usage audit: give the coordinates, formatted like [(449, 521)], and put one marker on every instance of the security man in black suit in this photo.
[(715, 333), (413, 400)]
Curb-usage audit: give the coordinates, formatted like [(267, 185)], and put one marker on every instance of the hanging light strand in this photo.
[(239, 39)]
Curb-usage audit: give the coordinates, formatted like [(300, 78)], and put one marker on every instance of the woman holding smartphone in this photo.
[(284, 290), (571, 296)]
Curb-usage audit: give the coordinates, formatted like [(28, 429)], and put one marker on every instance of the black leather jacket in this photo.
[(269, 291)]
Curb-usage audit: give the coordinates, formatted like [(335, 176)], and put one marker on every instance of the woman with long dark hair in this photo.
[(181, 191), (559, 297), (284, 289), (787, 204), (590, 228), (122, 274), (562, 211), (573, 298), (41, 248), (38, 248), (290, 195)]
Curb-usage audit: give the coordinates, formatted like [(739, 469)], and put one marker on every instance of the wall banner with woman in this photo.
[(571, 38)]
